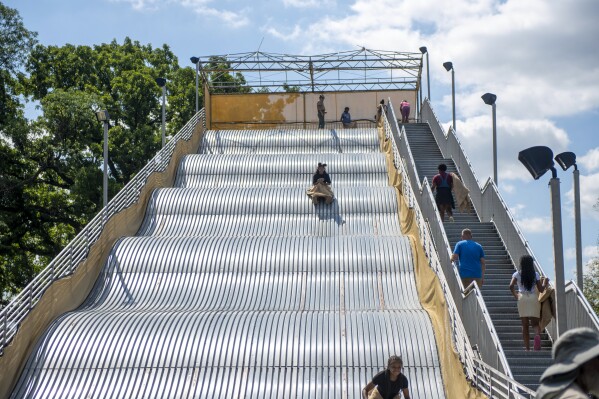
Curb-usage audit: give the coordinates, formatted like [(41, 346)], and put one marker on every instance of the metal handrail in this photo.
[(490, 206), (456, 303), (498, 385), (459, 336), (66, 262)]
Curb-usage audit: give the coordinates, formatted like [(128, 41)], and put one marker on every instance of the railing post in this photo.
[(490, 383), (70, 257), (4, 330)]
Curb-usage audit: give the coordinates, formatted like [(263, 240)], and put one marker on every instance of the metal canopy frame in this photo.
[(359, 70)]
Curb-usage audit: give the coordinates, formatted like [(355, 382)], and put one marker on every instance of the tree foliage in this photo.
[(591, 284), (50, 167), (591, 279), (221, 80), (15, 42)]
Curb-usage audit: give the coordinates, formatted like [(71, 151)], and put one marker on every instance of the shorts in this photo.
[(528, 304)]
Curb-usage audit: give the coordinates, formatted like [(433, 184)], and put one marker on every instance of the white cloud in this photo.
[(534, 224), (590, 160), (516, 209), (233, 19), (513, 135), (200, 7), (308, 3), (589, 253), (508, 188), (294, 34), (535, 55), (589, 195)]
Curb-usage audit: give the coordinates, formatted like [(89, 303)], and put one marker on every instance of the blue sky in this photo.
[(540, 57)]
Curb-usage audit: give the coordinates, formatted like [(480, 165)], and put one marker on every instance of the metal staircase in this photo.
[(526, 367)]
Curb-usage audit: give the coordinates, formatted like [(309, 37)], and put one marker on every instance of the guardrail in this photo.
[(77, 250), (487, 378), (478, 323), (491, 207), (498, 385)]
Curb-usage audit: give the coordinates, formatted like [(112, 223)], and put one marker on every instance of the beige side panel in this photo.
[(430, 293), (69, 293), (261, 110)]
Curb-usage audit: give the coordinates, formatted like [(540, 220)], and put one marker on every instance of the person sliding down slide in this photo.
[(321, 186)]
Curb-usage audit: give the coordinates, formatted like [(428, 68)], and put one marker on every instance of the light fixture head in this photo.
[(448, 66), (102, 116), (489, 98), (423, 50), (566, 159), (195, 60), (537, 160), (161, 82)]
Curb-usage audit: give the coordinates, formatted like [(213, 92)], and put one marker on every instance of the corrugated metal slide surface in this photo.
[(237, 286)]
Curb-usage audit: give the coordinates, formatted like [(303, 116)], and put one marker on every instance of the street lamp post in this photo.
[(424, 50), (565, 160), (539, 160), (490, 99), (103, 117), (449, 67), (161, 82), (196, 61)]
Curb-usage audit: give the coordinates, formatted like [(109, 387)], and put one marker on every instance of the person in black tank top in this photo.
[(388, 383)]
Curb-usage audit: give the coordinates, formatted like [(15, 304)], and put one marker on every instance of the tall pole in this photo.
[(418, 101), (453, 95), (163, 115), (428, 78), (197, 87), (196, 61), (494, 146), (558, 255), (579, 274), (105, 182)]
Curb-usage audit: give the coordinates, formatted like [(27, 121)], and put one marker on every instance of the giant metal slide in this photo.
[(237, 286)]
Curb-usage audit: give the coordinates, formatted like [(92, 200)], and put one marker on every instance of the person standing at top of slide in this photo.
[(321, 111)]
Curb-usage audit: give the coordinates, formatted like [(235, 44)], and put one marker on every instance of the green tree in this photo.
[(221, 80), (15, 43), (591, 284), (50, 168), (291, 89), (591, 279), (51, 184), (123, 76)]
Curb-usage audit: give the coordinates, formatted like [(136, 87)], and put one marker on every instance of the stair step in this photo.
[(526, 367)]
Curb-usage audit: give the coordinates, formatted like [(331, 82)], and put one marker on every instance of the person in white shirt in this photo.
[(529, 285)]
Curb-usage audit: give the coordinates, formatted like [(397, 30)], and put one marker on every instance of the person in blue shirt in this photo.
[(346, 119), (471, 260)]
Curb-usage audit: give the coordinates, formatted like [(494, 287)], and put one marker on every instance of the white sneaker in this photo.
[(451, 219)]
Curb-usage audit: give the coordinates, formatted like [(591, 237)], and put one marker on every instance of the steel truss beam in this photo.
[(357, 70)]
